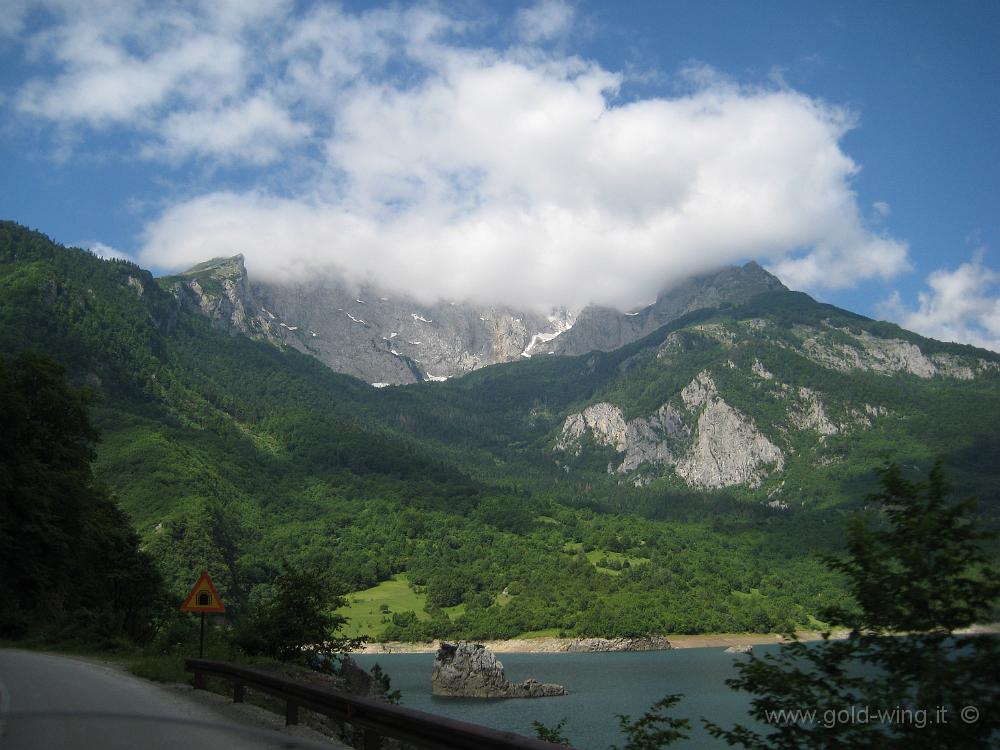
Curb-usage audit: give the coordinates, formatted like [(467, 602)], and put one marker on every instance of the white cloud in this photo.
[(961, 305), (255, 130), (117, 65), (547, 19), (457, 170), (881, 208)]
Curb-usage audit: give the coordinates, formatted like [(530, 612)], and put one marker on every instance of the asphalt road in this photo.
[(49, 701)]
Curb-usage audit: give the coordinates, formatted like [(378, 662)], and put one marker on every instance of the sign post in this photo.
[(203, 598)]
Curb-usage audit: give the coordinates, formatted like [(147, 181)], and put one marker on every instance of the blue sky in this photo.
[(537, 153)]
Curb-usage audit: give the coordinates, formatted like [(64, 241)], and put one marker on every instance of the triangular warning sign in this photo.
[(203, 597)]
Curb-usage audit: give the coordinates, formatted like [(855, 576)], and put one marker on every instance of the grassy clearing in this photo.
[(615, 558), (364, 608), (753, 594), (547, 633), (365, 613)]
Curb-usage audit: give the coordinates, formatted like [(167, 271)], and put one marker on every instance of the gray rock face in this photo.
[(724, 449), (604, 420), (728, 449), (602, 645), (656, 439), (369, 333), (387, 338), (470, 670), (810, 413), (220, 290), (605, 329), (862, 351)]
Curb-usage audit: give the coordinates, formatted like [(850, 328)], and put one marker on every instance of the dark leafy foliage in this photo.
[(57, 520), (905, 677), (655, 728), (295, 620), (551, 734)]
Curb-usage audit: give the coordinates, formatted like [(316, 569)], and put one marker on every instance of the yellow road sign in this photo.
[(203, 597)]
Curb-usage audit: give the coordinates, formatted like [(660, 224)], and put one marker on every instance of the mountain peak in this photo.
[(753, 269), (222, 267), (220, 289), (605, 329)]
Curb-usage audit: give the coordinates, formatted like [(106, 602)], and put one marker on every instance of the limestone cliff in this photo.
[(722, 450), (220, 290), (737, 422), (844, 350), (392, 337), (728, 449)]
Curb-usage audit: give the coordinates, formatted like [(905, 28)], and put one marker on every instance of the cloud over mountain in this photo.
[(959, 305), (398, 144)]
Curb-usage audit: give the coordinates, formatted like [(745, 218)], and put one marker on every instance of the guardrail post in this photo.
[(199, 681), (239, 692), (291, 712)]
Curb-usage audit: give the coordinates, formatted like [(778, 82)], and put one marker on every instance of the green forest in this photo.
[(194, 449)]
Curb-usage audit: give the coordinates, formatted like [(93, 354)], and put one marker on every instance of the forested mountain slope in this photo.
[(780, 399), (508, 503)]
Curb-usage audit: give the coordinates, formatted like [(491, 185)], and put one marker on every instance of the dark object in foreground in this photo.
[(908, 677), (375, 718)]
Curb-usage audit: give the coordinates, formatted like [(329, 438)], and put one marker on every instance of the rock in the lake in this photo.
[(745, 649), (470, 670)]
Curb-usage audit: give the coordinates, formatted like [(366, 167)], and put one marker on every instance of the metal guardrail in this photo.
[(375, 718)]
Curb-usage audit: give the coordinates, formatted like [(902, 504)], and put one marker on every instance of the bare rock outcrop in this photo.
[(605, 422), (602, 645), (810, 414), (862, 351), (470, 670), (219, 289), (725, 448), (728, 449), (655, 439)]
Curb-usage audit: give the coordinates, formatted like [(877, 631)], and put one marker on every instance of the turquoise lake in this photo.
[(600, 687)]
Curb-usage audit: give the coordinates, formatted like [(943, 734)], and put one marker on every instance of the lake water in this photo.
[(600, 687)]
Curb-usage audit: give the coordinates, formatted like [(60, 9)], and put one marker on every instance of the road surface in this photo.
[(49, 701)]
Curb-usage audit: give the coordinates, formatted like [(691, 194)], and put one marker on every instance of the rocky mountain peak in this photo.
[(388, 338), (231, 267), (606, 329), (220, 290)]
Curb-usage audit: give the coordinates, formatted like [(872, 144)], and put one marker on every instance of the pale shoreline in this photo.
[(548, 645)]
